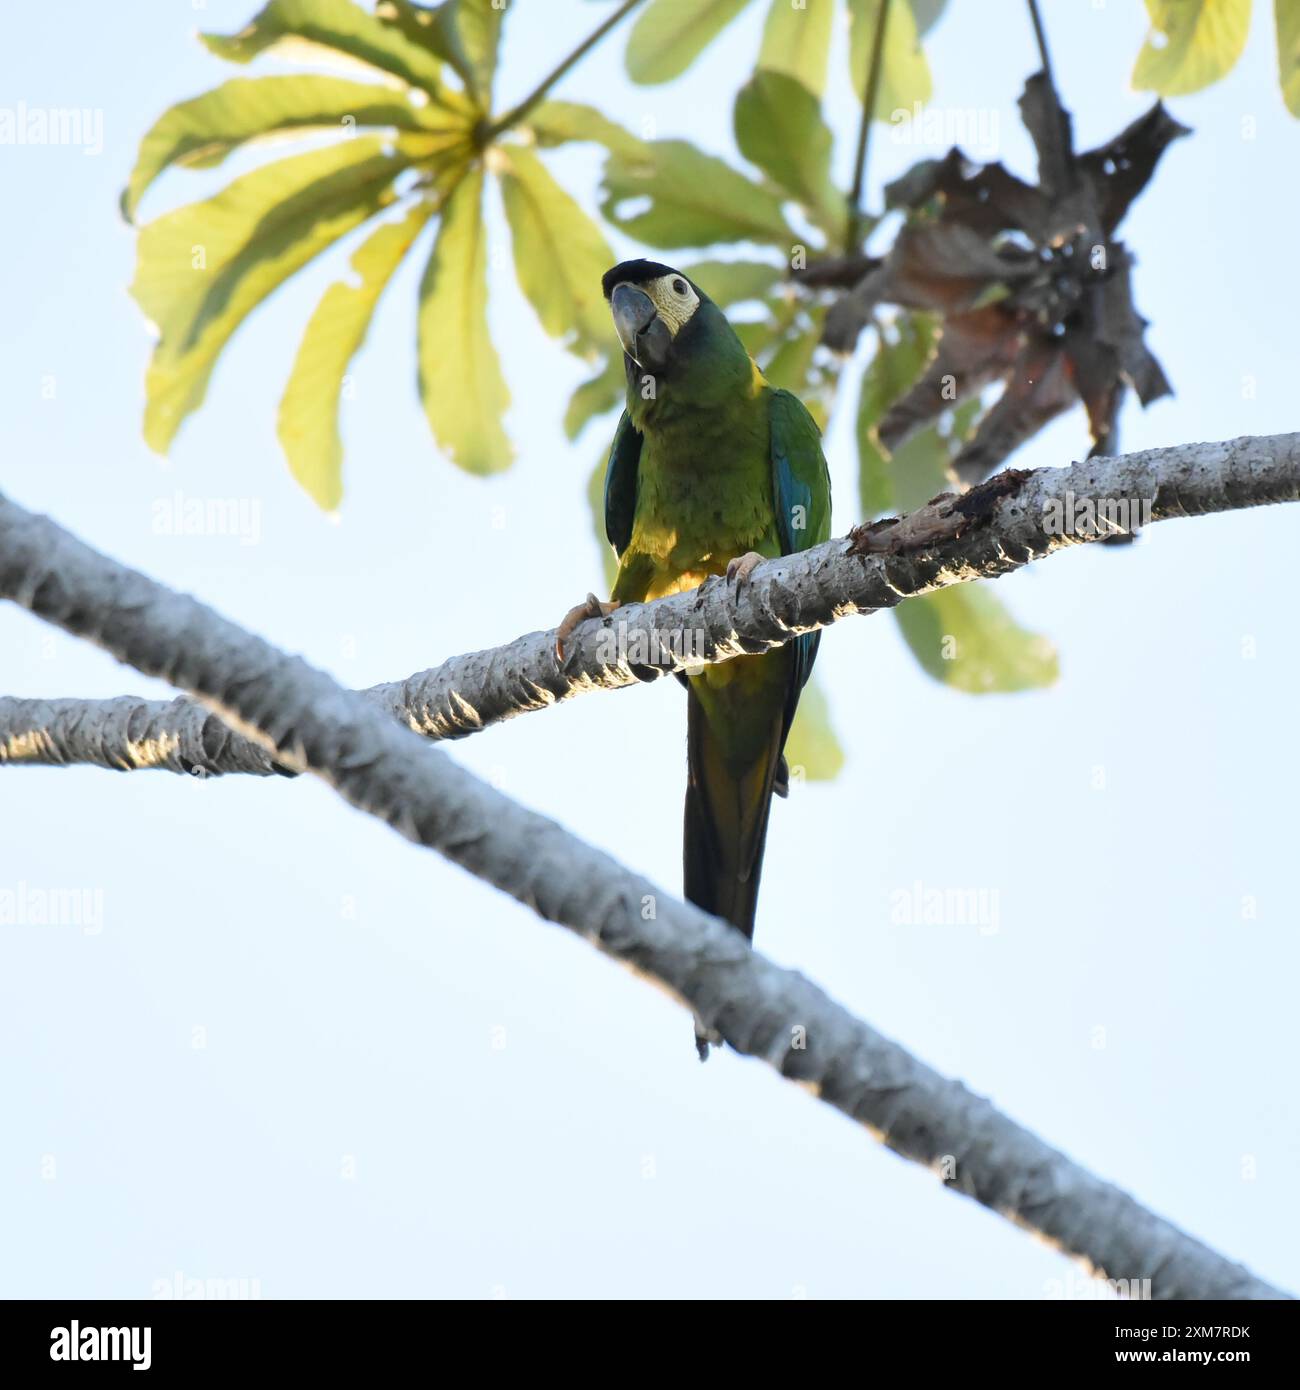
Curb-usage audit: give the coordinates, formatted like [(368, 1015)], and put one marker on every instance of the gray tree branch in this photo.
[(995, 528), (308, 722)]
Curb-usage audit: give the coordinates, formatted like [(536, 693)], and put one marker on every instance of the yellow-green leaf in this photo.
[(1192, 43), (813, 752), (921, 465), (461, 385), (788, 364), (733, 282), (201, 132), (559, 122), (596, 501), (965, 638), (904, 72), (602, 393), (693, 199), (560, 254), (671, 34), (796, 41), (1286, 16), (202, 269), (898, 362), (786, 348), (920, 469), (308, 423), (779, 127), (291, 27), (474, 28)]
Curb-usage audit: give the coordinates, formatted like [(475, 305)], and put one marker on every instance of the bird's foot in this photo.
[(592, 607), (739, 569)]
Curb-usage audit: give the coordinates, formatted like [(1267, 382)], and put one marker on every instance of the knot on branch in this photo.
[(946, 517)]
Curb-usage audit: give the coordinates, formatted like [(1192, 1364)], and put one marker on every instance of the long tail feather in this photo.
[(728, 800)]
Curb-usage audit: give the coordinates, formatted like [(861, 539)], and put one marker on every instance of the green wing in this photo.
[(801, 483), (620, 484), (801, 491)]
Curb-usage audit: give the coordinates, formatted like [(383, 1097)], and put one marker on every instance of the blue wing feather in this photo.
[(620, 484), (801, 491)]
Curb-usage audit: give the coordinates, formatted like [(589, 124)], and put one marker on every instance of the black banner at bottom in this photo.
[(212, 1337)]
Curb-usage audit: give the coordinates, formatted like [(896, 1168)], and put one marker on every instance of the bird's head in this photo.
[(653, 305)]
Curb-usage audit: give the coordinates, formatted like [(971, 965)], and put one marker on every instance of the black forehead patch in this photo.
[(635, 273)]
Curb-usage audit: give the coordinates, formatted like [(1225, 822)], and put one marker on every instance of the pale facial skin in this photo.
[(649, 316)]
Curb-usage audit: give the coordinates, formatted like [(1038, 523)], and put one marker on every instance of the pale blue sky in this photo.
[(352, 990)]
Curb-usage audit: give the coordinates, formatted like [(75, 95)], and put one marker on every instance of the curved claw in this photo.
[(591, 607), (740, 568)]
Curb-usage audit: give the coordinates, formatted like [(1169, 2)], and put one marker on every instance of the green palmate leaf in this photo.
[(1286, 16), (430, 26), (474, 37), (560, 254), (602, 393), (763, 336), (465, 34), (921, 466), (461, 385), (897, 364), (965, 638), (559, 122), (671, 34), (755, 336), (733, 282), (596, 501), (1193, 43), (779, 127), (337, 26), (785, 346), (201, 132), (904, 73), (201, 269), (308, 424), (693, 199), (796, 41), (920, 469), (813, 751), (419, 23), (788, 365), (789, 362)]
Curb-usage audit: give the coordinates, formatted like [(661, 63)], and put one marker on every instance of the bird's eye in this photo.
[(679, 287)]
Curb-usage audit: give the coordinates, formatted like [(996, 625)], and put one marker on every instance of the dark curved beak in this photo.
[(644, 335)]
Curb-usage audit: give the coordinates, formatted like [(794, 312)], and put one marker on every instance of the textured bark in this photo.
[(987, 532), (308, 722)]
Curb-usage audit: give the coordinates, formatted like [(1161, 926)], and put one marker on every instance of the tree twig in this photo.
[(869, 96), (519, 111), (1040, 37), (305, 720), (989, 531)]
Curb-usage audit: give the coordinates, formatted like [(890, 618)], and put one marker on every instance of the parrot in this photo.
[(711, 470)]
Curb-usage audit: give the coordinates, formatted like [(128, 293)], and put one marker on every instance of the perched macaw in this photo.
[(711, 470)]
